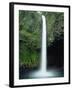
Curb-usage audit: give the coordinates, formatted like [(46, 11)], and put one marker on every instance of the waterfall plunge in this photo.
[(43, 71), (43, 53)]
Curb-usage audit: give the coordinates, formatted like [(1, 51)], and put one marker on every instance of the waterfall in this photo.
[(43, 70), (43, 52)]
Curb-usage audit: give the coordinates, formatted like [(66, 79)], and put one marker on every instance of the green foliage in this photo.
[(30, 28)]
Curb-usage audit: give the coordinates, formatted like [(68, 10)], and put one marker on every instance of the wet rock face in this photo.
[(55, 55)]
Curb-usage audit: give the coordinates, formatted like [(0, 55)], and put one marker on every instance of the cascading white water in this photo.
[(43, 70), (43, 52)]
